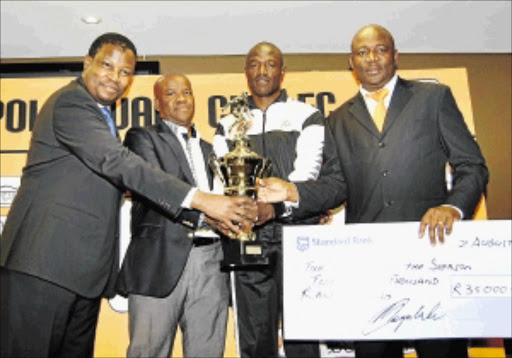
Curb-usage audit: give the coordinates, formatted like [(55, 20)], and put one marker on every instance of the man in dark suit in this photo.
[(395, 172), (169, 278), (59, 246)]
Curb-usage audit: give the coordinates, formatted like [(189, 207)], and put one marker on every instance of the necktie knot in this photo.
[(109, 120), (379, 95), (193, 134)]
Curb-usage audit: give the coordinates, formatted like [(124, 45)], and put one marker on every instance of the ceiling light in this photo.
[(91, 20)]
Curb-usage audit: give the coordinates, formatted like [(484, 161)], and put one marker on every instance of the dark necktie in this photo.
[(189, 151), (196, 162), (109, 120)]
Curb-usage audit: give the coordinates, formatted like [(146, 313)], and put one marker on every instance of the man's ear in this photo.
[(283, 73), (87, 61), (156, 104)]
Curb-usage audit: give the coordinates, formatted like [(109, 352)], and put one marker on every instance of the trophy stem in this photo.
[(246, 236)]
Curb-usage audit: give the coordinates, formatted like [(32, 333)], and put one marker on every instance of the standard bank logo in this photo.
[(302, 243)]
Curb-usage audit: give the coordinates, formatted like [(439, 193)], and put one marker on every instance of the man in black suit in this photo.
[(396, 172), (171, 272), (59, 247)]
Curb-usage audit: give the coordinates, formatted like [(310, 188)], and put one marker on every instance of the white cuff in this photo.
[(187, 202), (456, 208)]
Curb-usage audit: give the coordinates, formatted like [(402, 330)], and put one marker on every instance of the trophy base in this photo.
[(243, 255)]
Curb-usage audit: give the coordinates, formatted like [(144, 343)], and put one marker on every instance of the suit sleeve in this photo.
[(470, 173), (79, 126)]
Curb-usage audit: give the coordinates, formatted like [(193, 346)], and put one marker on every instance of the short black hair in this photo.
[(269, 44), (114, 39)]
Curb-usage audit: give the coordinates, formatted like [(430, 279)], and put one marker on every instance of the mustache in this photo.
[(112, 85)]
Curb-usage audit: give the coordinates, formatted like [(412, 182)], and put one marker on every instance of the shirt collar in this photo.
[(390, 86), (180, 130)]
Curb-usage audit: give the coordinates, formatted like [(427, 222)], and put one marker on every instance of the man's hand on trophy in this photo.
[(218, 226), (266, 212), (234, 212), (274, 190)]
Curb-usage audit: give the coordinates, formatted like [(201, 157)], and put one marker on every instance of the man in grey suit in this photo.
[(59, 247), (169, 278), (396, 172)]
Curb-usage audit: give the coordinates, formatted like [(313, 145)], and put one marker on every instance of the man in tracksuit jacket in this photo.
[(291, 134)]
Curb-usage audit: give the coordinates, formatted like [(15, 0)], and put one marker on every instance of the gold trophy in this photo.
[(238, 171)]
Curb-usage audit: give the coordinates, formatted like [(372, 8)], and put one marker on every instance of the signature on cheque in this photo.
[(395, 314)]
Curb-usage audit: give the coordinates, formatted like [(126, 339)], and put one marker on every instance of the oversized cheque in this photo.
[(379, 281)]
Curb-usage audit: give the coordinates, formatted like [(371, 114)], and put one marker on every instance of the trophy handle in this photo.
[(266, 169), (214, 163)]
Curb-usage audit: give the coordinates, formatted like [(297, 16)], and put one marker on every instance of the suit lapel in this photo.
[(360, 112), (101, 117), (165, 133), (400, 98)]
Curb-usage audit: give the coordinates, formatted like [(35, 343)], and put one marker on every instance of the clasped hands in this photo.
[(231, 214), (438, 221)]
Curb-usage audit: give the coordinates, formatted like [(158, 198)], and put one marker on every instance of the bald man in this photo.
[(171, 271), (394, 170)]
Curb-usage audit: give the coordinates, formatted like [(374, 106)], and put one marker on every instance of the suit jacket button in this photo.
[(388, 202), (381, 145), (384, 173)]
